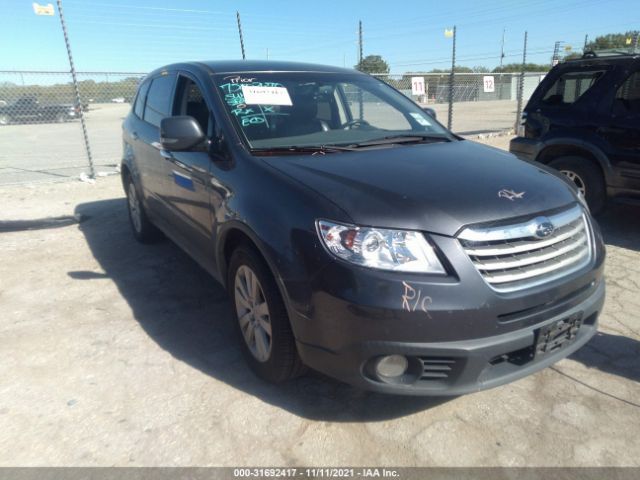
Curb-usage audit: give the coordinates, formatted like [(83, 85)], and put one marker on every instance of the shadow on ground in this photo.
[(620, 226), (187, 313), (612, 354)]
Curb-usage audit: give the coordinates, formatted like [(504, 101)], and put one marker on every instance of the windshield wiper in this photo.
[(313, 149), (391, 139)]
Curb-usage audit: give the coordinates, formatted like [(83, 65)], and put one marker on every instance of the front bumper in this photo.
[(459, 335), (459, 367)]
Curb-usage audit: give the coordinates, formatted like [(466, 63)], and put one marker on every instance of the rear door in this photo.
[(622, 132)]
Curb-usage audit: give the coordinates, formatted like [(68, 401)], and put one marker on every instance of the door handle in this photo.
[(134, 135)]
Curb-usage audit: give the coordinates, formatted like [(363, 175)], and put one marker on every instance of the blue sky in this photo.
[(139, 35)]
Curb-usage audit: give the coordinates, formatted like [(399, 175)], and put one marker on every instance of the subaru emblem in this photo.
[(543, 227)]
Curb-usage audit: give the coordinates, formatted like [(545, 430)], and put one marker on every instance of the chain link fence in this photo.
[(41, 137), (482, 102)]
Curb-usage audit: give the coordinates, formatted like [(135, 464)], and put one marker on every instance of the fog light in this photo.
[(392, 366)]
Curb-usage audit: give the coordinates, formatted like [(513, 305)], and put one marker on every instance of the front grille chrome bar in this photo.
[(514, 257)]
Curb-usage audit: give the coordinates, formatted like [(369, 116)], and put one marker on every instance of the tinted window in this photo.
[(628, 96), (142, 96), (570, 86), (159, 99)]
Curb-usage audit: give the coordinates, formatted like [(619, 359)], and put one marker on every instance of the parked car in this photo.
[(364, 241), (29, 110), (584, 120)]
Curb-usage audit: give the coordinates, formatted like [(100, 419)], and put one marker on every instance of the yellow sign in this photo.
[(628, 42), (448, 33), (43, 9)]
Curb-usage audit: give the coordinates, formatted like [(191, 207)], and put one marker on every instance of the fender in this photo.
[(596, 152)]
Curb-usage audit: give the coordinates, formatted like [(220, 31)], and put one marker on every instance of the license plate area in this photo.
[(558, 334)]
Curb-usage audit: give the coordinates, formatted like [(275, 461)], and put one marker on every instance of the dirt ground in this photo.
[(118, 354)]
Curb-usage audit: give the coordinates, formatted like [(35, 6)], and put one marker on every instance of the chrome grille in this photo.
[(519, 256)]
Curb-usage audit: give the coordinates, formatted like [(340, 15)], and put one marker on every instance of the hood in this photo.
[(437, 187)]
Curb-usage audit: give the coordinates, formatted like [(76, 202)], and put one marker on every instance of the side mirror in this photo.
[(429, 111), (180, 133)]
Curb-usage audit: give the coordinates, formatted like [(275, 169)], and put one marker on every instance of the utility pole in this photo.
[(240, 33), (586, 41), (521, 83), (502, 48), (556, 54), (452, 80), (92, 171), (360, 97), (636, 40), (360, 42)]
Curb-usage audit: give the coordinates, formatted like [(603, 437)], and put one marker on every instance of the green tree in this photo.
[(373, 64), (612, 40), (518, 67)]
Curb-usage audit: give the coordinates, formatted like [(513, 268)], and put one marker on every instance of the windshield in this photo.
[(291, 109)]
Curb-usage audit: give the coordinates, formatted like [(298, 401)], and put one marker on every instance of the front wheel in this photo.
[(261, 318), (4, 119), (587, 178)]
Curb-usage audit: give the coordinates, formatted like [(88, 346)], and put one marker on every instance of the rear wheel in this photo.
[(143, 229), (4, 119), (587, 178), (261, 318)]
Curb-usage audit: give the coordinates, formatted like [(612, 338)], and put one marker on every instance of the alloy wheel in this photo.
[(134, 208), (253, 313), (575, 178)]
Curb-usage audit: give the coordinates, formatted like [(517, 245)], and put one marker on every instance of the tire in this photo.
[(587, 177), (143, 230), (61, 118), (5, 119), (277, 360)]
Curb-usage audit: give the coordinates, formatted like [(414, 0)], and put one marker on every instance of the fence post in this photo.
[(521, 85), (452, 80), (92, 171)]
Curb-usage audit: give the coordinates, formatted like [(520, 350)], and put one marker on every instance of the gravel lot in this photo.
[(114, 353)]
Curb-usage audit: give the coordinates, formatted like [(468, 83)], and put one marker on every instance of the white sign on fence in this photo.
[(417, 86), (489, 84)]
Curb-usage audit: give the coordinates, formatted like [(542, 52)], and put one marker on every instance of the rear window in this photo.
[(570, 86), (140, 99), (627, 101)]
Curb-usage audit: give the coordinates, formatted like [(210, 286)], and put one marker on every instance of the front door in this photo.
[(190, 173)]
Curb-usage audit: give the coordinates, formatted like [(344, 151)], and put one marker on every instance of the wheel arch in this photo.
[(561, 148)]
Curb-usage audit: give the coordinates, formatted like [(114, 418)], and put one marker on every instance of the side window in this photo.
[(189, 101), (627, 101), (570, 86), (158, 104), (138, 108)]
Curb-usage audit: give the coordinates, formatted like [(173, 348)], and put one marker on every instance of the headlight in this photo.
[(399, 250)]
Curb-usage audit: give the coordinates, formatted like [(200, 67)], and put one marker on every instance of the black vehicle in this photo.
[(355, 234), (29, 110), (584, 120)]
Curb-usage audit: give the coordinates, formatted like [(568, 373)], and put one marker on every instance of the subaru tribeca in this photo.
[(355, 234)]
